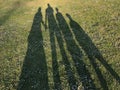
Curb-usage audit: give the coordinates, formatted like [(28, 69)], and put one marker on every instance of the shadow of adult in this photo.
[(34, 71), (55, 33), (91, 50), (75, 53), (50, 20)]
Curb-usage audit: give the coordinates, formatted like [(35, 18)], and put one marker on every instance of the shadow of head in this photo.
[(39, 9), (48, 5)]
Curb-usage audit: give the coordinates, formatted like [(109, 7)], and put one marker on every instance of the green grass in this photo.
[(59, 51)]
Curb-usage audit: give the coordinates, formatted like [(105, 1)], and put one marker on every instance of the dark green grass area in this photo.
[(63, 45)]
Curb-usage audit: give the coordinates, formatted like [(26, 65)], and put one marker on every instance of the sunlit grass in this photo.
[(100, 19)]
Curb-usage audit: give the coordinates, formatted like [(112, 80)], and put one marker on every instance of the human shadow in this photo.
[(92, 52), (54, 32), (50, 20), (75, 53), (34, 71)]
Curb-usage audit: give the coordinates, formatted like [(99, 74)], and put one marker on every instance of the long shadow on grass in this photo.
[(55, 32), (93, 53), (34, 71), (75, 52), (49, 18)]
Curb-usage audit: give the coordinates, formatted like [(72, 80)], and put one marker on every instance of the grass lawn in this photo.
[(59, 45)]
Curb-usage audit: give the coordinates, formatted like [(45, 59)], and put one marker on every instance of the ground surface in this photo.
[(75, 51)]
